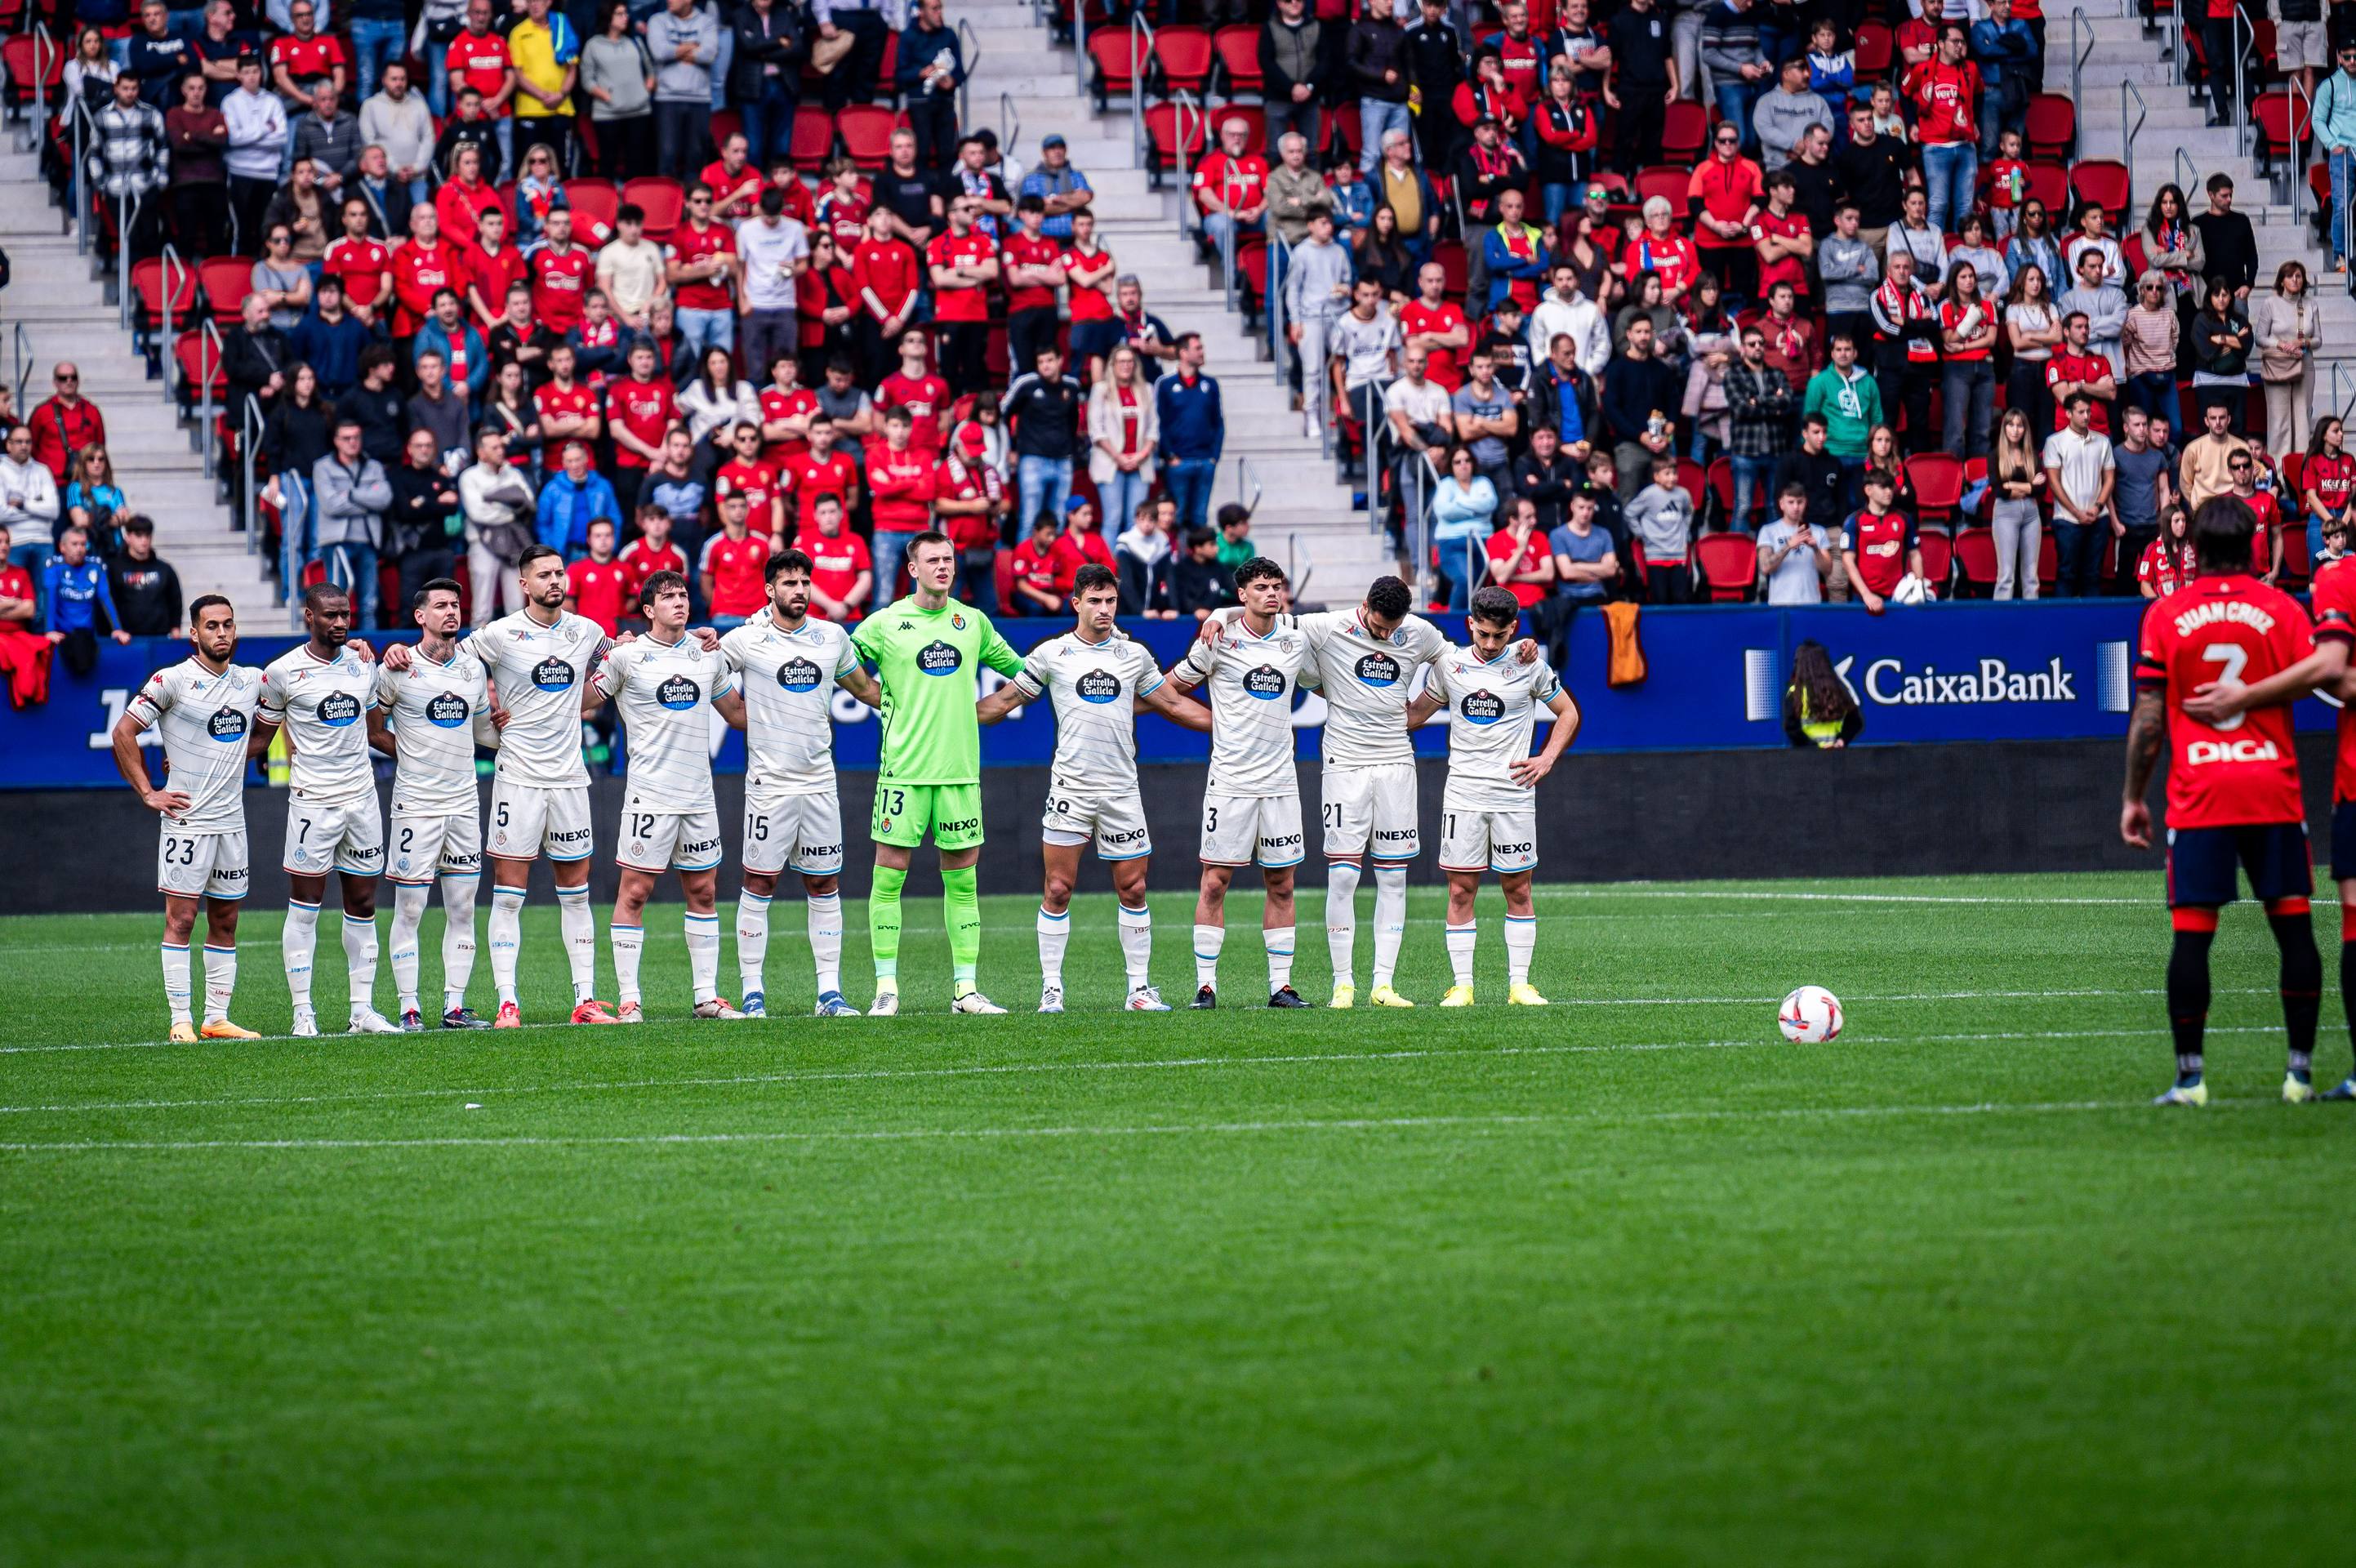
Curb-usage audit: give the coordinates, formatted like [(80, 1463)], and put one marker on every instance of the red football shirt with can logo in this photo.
[(646, 409), (559, 280), (2228, 628)]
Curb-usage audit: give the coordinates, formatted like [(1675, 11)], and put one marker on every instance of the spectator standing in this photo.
[(1661, 524), (2081, 474), (2227, 239), (2287, 329), (930, 69), (65, 422), (1871, 169), (684, 41), (572, 498), (764, 75), (1795, 558), (1364, 339), (29, 502), (2009, 57), (299, 432), (1486, 419), (279, 281), (1906, 345), (1722, 196), (2221, 352), (1409, 192), (774, 250), (618, 76), (2205, 469), (2015, 477), (701, 266), (842, 572), (852, 80), (1968, 332), (1316, 295), (1585, 563), (424, 508), (1787, 114), (156, 55), (2148, 344), (499, 508), (1376, 57), (1295, 191), (132, 162), (1043, 409), (1031, 264), (1646, 74), (1739, 68), (963, 265), (2145, 489), (1194, 433), (1944, 93), (198, 139), (1880, 548), (1463, 506), (1062, 190), (349, 497), (1297, 56), (74, 591), (1849, 269), (24, 653), (1641, 397), (2105, 306), (2335, 136), (1124, 430), (477, 58), (397, 119), (902, 481), (330, 138), (144, 586), (546, 53), (303, 56), (94, 502), (631, 269), (1760, 405)]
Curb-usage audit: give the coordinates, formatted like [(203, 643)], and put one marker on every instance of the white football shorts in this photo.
[(1114, 822), (528, 822), (1239, 829), (424, 848), (804, 832), (1488, 841), (677, 841), (1375, 806), (201, 865), (349, 838)]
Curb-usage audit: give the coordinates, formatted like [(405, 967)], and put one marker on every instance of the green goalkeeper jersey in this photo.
[(926, 662)]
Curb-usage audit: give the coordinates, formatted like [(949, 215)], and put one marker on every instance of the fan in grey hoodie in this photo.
[(1781, 116), (684, 41), (1846, 266)]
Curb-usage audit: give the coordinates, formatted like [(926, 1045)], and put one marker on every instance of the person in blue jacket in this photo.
[(74, 589), (574, 496)]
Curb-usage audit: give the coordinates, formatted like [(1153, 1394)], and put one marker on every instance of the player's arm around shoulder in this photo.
[(996, 651), (609, 670)]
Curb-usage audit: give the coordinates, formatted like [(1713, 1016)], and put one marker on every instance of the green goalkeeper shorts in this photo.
[(951, 813)]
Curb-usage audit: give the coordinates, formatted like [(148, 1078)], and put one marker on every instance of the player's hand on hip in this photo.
[(170, 803), (1528, 770), (2135, 824), (2215, 701), (499, 716)]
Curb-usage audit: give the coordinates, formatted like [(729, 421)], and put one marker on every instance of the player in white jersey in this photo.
[(539, 659), (1097, 678), (431, 715), (1488, 811), (787, 667), (1251, 805), (667, 685), (322, 695), (203, 708)]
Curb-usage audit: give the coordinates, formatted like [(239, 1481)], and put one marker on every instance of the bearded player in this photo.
[(926, 651), (2233, 785), (2327, 668), (790, 665), (1097, 678), (203, 707)]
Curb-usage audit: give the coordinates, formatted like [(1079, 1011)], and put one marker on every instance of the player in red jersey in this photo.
[(363, 262), (2327, 668), (596, 587), (560, 274), (735, 565), (914, 388), (2233, 785)]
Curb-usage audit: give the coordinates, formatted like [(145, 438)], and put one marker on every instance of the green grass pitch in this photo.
[(1628, 1280)]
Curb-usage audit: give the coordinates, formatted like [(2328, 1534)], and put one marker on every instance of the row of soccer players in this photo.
[(523, 683)]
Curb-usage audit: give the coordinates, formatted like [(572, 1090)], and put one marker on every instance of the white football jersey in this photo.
[(1094, 686), (1492, 708), (538, 672), (788, 678), (664, 692), (204, 719), (1250, 681), (325, 704), (431, 709), (1366, 680)]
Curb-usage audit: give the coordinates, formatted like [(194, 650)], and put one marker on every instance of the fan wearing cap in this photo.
[(1082, 544)]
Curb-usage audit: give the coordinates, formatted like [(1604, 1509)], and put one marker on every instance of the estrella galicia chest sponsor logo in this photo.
[(227, 723), (448, 710), (1098, 687), (1482, 707), (678, 693), (552, 675), (1267, 683), (1888, 681), (339, 709), (797, 675), (1378, 670), (937, 658)]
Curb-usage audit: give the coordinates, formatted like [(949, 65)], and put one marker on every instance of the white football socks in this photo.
[(1278, 940), (752, 940), (1209, 941), (220, 981), (176, 980), (1460, 940), (507, 936), (1390, 920), (825, 918), (1055, 934), (1342, 919), (295, 943), (359, 961), (578, 922), (629, 941), (1137, 945), (457, 939), (1521, 942), (703, 955), (408, 916)]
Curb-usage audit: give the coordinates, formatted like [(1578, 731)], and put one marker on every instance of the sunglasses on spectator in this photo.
[(67, 380)]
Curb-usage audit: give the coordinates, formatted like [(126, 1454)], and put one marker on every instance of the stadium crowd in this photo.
[(1734, 300)]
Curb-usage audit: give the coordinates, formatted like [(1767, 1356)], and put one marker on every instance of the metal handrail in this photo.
[(1182, 104), (2079, 57), (20, 351), (2187, 172), (1010, 123), (2343, 403), (211, 353), (1080, 43), (81, 131), (248, 427), (1276, 323), (126, 213), (171, 362), (1141, 54), (2127, 133), (37, 97), (1246, 480), (969, 52), (2246, 129), (1295, 576)]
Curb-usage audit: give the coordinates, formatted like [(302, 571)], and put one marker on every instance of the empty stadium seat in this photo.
[(1727, 564)]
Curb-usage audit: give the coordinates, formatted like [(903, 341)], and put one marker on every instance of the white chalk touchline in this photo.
[(1145, 1130), (1837, 897), (999, 1068)]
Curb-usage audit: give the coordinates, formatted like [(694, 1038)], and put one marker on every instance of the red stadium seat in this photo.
[(1455, 267), (1167, 125), (226, 280), (1721, 491), (1113, 55), (1238, 51), (199, 361), (16, 54), (2052, 126), (1729, 565), (2050, 183), (1694, 480), (593, 201), (1685, 131), (1183, 58), (1976, 561), (147, 284), (663, 201), (2285, 123), (2296, 568), (1938, 481), (2105, 181), (2048, 562), (1665, 180), (1938, 558), (813, 140), (1876, 48), (725, 122), (866, 130)]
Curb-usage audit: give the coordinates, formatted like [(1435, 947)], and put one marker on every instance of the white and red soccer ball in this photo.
[(1810, 1017)]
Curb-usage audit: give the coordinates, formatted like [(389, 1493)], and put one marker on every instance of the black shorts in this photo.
[(2201, 863), (2343, 840)]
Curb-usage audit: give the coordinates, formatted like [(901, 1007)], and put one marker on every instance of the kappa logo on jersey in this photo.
[(678, 693), (227, 725), (552, 675), (1096, 686), (1482, 707), (1378, 670), (939, 658), (2202, 751), (339, 709), (798, 675), (1267, 683), (448, 710)]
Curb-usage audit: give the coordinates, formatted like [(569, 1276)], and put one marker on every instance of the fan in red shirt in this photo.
[(24, 653), (697, 244), (1232, 184), (1432, 316), (1668, 255), (888, 273), (914, 388), (423, 267), (305, 56), (1080, 545), (2165, 566), (820, 471), (596, 587), (749, 475), (1520, 547), (481, 60), (735, 183), (2232, 776), (561, 398), (1033, 570), (900, 479), (733, 563), (2073, 369), (638, 408), (1880, 546), (465, 196), (842, 211), (650, 553), (1721, 194), (1945, 92), (839, 559), (363, 262), (493, 267), (561, 272), (968, 496), (1787, 229), (784, 403)]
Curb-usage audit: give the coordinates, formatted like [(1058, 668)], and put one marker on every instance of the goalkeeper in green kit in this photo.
[(926, 651)]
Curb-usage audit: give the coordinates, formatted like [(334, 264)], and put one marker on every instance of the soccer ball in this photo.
[(1810, 1017)]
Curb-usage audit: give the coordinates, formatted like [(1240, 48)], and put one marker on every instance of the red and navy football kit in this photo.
[(2334, 597)]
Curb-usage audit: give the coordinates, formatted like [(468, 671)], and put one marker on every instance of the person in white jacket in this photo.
[(499, 505), (397, 120), (257, 141), (1564, 310), (29, 502), (1124, 428)]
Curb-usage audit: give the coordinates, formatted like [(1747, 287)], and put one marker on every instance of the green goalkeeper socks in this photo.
[(962, 911), (884, 919)]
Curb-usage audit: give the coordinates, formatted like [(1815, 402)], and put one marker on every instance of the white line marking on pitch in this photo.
[(992, 1070)]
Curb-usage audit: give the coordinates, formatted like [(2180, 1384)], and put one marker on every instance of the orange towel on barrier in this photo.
[(1626, 665)]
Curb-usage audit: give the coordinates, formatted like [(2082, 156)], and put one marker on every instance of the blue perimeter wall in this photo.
[(2053, 671)]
